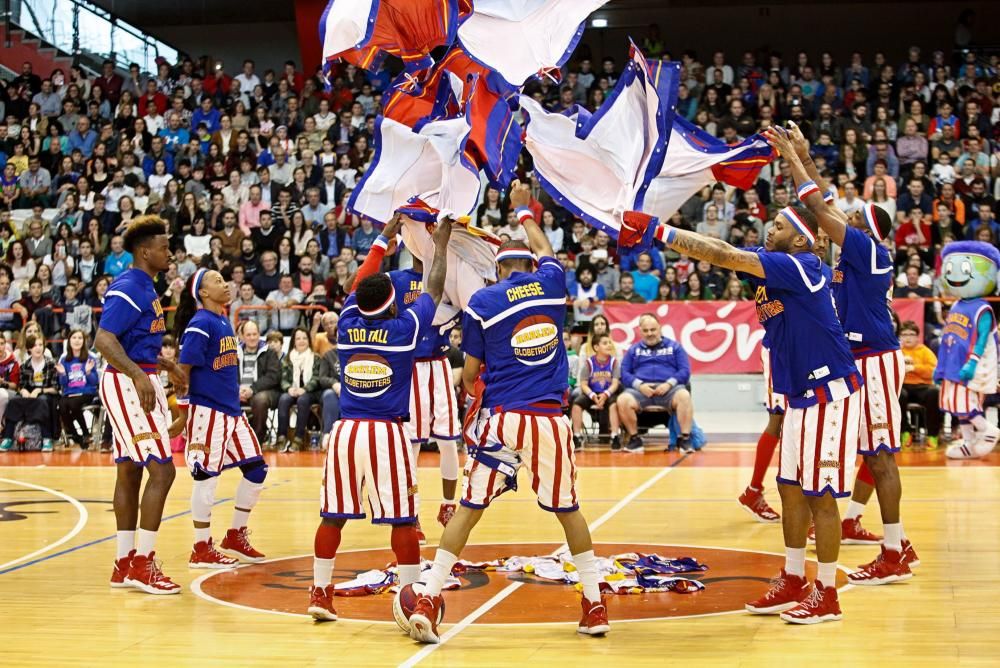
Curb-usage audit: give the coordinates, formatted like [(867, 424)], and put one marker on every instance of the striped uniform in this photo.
[(372, 453), (881, 415), (132, 313), (776, 402), (433, 407), (959, 400), (228, 440), (819, 445), (541, 443)]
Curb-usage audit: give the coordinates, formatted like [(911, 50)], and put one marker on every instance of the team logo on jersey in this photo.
[(367, 375), (227, 353), (535, 340), (158, 325)]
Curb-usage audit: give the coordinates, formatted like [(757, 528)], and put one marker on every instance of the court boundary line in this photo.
[(81, 522), (469, 619)]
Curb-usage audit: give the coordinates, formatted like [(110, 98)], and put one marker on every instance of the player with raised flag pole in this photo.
[(813, 367), (219, 436), (376, 344), (515, 328), (862, 283), (129, 337)]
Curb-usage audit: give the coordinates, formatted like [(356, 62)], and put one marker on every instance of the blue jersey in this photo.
[(959, 338), (862, 288), (132, 312), (810, 360), (515, 328), (601, 375), (210, 347), (376, 359), (409, 285)]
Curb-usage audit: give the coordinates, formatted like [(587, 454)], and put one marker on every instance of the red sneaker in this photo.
[(144, 573), (237, 545), (321, 604), (595, 618), (445, 513), (427, 613), (204, 555), (752, 501), (121, 571), (822, 605), (421, 538), (889, 566), (910, 555), (786, 592), (852, 533)]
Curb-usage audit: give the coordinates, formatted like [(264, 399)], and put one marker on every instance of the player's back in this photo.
[(409, 284), (862, 284), (515, 328), (133, 314), (376, 359)]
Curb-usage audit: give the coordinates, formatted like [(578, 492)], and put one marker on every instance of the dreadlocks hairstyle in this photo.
[(141, 230), (375, 295), (189, 302)]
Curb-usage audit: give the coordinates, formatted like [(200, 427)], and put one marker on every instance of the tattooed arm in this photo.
[(715, 251)]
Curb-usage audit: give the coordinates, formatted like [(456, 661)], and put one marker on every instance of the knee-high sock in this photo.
[(202, 499), (407, 549), (449, 462), (762, 459), (324, 552), (865, 473), (247, 495)]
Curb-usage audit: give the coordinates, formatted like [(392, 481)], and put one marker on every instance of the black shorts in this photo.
[(586, 403)]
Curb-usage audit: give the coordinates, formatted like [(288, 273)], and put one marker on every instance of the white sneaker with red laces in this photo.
[(204, 555), (237, 544), (752, 500), (822, 605), (145, 574), (120, 572), (595, 618)]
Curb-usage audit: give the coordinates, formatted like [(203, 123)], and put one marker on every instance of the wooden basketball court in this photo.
[(57, 547)]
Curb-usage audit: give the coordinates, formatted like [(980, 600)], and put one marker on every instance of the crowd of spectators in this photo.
[(253, 170)]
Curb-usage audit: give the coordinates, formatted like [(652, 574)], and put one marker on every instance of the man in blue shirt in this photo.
[(647, 283), (118, 259), (207, 115), (655, 373), (83, 137)]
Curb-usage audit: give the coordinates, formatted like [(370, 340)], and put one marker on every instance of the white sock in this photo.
[(202, 534), (240, 518), (827, 574), (893, 537), (854, 510), (322, 571), (586, 566), (968, 433), (126, 543), (902, 533), (795, 561), (408, 573), (435, 578), (145, 542)]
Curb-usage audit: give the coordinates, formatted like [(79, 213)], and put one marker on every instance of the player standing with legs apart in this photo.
[(129, 337), (433, 406), (752, 499), (812, 366), (376, 343), (218, 434), (515, 328), (862, 283)]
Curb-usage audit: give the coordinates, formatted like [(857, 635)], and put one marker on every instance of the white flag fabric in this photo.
[(521, 38)]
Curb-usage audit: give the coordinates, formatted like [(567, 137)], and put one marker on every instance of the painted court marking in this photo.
[(80, 522)]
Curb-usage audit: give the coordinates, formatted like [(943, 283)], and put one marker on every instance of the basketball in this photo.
[(402, 607)]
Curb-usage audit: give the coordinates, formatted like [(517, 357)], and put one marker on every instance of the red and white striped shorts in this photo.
[(138, 436), (433, 407), (373, 453), (542, 443), (775, 402), (959, 400), (881, 417), (819, 446), (226, 440)]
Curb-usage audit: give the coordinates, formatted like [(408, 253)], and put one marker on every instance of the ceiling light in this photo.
[(599, 23)]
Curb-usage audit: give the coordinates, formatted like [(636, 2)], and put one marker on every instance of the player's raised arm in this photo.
[(715, 251), (795, 150), (377, 252), (439, 268), (520, 197)]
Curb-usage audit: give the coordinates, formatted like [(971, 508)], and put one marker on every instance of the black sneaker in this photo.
[(684, 444), (634, 445), (577, 443), (616, 442)]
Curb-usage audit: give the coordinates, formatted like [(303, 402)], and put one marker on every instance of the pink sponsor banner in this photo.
[(719, 337)]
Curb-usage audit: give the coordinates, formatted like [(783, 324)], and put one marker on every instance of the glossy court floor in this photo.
[(56, 550)]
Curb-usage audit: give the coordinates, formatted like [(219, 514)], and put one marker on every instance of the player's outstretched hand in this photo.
[(799, 142), (392, 228), (147, 395), (520, 194), (779, 140), (442, 233)]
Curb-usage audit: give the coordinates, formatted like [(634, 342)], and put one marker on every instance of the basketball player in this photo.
[(862, 282), (812, 366), (376, 343), (515, 328), (218, 434), (752, 499), (433, 406), (129, 337)]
